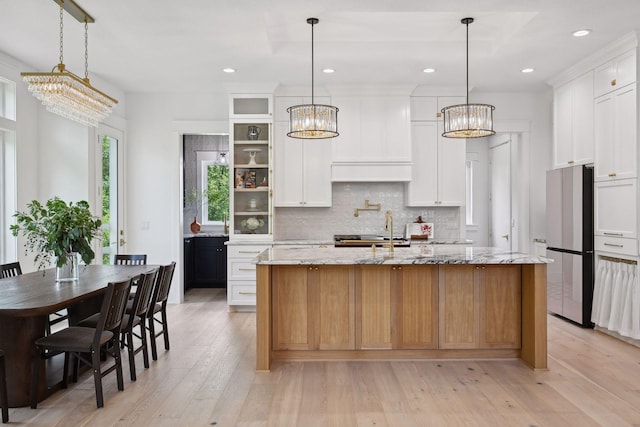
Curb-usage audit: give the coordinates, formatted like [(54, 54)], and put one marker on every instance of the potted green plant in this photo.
[(59, 230)]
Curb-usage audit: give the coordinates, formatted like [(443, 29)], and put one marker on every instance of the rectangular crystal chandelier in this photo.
[(66, 94)]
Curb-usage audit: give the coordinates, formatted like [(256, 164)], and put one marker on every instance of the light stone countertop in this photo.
[(425, 254)]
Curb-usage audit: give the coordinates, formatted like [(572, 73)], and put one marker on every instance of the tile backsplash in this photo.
[(323, 223)]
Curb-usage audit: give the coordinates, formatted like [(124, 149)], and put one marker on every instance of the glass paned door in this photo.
[(110, 181)]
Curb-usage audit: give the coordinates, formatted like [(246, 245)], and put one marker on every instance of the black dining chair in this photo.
[(4, 398), (130, 259), (77, 341), (135, 315), (11, 269), (159, 306)]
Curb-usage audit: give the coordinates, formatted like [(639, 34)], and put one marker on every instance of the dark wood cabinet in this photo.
[(188, 263), (208, 263)]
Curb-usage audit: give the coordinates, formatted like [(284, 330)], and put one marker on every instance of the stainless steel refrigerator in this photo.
[(570, 243)]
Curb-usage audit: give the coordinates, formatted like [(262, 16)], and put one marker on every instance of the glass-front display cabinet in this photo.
[(250, 185)]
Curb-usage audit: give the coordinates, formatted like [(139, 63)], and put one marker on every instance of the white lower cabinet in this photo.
[(438, 172), (241, 273), (616, 216)]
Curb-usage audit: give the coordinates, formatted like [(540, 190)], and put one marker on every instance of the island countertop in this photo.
[(432, 254)]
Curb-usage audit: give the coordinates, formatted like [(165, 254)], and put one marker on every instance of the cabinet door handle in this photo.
[(615, 246), (612, 174), (613, 234), (613, 82), (247, 269), (571, 162), (247, 293)]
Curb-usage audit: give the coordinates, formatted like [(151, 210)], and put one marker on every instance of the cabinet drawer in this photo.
[(241, 269), (242, 293), (618, 245), (245, 251), (615, 208)]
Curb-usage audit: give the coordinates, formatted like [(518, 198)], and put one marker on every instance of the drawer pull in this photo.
[(571, 162), (247, 269), (615, 246), (247, 293), (612, 174), (613, 234), (248, 252)]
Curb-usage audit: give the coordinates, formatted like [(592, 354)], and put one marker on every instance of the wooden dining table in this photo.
[(25, 304)]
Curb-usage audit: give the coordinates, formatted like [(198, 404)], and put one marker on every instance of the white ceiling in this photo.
[(183, 45)]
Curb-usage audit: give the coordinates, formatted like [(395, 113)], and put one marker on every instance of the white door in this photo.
[(500, 158), (110, 181)]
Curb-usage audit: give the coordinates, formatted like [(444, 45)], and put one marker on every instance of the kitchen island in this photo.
[(428, 302)]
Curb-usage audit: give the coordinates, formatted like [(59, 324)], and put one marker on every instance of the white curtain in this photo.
[(616, 298)]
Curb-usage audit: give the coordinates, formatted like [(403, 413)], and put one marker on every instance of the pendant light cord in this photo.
[(312, 64), (61, 31), (86, 49), (467, 23)]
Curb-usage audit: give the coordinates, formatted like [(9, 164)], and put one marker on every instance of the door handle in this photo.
[(505, 236), (122, 242)]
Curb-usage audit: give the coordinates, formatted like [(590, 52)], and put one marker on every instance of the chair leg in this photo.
[(152, 338), (4, 399), (35, 379), (165, 329), (97, 376), (132, 355), (143, 337), (68, 359), (118, 361)]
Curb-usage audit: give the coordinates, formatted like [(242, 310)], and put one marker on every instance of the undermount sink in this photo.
[(364, 240)]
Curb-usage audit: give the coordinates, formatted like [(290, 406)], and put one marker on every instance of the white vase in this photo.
[(69, 271)]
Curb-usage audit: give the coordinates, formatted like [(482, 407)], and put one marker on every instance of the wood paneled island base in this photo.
[(400, 306)]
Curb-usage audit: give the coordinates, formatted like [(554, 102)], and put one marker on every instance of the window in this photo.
[(8, 173), (215, 186)]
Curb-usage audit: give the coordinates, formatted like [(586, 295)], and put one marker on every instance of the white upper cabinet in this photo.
[(302, 170), (615, 74), (616, 134), (438, 174), (573, 122), (375, 139), (250, 106), (302, 167)]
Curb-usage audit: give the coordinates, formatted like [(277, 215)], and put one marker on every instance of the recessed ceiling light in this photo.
[(328, 70), (581, 33), (528, 70), (229, 70), (429, 70)]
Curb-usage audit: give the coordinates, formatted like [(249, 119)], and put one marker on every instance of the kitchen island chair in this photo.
[(11, 269)]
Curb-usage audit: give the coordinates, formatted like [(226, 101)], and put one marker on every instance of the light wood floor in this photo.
[(208, 378)]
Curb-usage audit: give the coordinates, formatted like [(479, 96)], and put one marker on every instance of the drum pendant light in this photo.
[(313, 121), (468, 120)]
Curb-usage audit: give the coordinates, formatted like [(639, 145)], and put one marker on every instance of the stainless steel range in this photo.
[(367, 240)]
